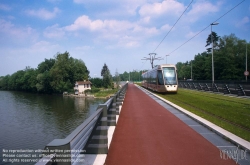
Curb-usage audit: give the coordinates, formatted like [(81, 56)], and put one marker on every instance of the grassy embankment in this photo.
[(230, 113), (104, 93)]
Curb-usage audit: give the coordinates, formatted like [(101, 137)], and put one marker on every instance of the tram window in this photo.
[(169, 75), (160, 78), (154, 75)]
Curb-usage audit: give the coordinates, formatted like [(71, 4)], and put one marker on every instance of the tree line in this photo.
[(229, 54), (131, 76), (60, 73), (54, 75)]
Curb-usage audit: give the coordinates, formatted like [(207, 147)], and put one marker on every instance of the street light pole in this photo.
[(215, 23), (166, 59), (246, 61), (191, 71)]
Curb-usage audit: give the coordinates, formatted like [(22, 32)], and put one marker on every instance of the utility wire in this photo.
[(198, 32), (170, 29), (206, 27), (173, 26)]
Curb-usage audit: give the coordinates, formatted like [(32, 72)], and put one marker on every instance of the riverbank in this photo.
[(105, 93)]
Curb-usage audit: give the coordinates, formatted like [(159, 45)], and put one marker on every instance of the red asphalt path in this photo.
[(148, 134)]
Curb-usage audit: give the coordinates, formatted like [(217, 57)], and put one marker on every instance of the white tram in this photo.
[(162, 78)]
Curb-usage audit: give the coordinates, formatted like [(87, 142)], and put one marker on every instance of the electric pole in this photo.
[(152, 58)]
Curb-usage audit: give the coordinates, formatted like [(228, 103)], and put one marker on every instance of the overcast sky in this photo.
[(116, 32)]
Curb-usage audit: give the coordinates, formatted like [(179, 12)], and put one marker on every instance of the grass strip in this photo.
[(214, 108), (105, 93)]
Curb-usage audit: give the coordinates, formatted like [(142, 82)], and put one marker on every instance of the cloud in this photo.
[(124, 8), (157, 9), (243, 22), (5, 25), (10, 31), (202, 8), (191, 34), (54, 32), (116, 27), (5, 7), (83, 22), (44, 46), (43, 13), (113, 32), (129, 42), (166, 27)]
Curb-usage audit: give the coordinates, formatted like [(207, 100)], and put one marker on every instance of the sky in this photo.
[(119, 33)]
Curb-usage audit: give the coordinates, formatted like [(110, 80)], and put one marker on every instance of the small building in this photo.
[(81, 86)]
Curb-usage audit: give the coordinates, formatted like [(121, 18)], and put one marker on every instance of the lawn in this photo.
[(105, 93)]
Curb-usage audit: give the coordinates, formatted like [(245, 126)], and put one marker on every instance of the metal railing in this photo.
[(237, 88), (88, 138)]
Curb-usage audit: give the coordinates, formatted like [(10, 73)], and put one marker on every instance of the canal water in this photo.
[(30, 121)]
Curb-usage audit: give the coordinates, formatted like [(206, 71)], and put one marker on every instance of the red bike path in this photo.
[(148, 134)]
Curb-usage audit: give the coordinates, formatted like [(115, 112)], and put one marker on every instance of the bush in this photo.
[(93, 90)]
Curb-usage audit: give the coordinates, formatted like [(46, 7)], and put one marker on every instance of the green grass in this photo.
[(216, 109), (105, 93)]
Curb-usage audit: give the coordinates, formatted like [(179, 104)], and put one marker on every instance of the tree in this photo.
[(29, 80), (229, 61), (117, 79), (96, 82), (66, 71), (60, 72), (201, 66), (79, 71), (124, 76), (46, 65), (106, 76), (215, 39), (4, 82)]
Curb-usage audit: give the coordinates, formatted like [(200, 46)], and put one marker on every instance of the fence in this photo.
[(237, 88), (88, 138)]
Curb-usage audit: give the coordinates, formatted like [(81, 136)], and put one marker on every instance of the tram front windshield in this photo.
[(169, 76)]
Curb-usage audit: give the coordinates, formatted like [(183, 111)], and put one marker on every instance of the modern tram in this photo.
[(162, 79)]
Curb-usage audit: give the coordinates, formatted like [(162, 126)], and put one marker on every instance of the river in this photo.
[(31, 121)]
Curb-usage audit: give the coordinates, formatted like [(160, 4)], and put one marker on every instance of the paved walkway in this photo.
[(148, 134)]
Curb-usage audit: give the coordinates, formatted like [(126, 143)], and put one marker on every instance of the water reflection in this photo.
[(30, 121)]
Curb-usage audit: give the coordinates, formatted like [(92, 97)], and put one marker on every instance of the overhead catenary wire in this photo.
[(170, 30), (173, 26), (198, 32), (205, 28)]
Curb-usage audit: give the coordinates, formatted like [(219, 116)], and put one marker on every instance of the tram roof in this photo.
[(159, 67)]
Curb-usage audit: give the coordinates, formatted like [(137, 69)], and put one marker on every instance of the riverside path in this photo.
[(148, 134)]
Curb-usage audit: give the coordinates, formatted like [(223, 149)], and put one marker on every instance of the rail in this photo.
[(236, 88), (88, 138)]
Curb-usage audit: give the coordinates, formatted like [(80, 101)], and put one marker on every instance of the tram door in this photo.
[(159, 79)]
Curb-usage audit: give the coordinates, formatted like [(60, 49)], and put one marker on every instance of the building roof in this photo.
[(83, 82)]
